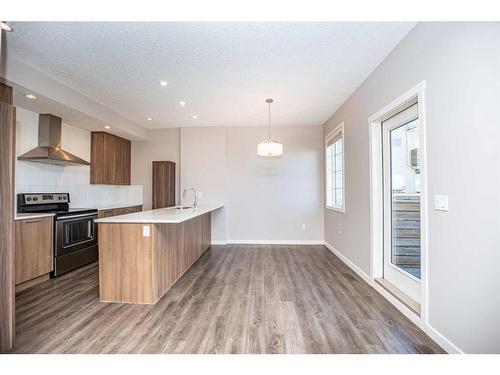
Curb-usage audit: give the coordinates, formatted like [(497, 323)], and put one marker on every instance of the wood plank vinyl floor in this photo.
[(234, 299)]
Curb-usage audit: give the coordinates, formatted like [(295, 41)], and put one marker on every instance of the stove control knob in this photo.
[(28, 199), (35, 199)]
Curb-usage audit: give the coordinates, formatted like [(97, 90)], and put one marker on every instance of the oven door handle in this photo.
[(94, 216)]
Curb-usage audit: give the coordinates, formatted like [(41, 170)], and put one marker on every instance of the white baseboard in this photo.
[(276, 242), (350, 264), (442, 341), (219, 242), (400, 306)]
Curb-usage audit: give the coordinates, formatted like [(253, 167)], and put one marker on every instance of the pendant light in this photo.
[(269, 147)]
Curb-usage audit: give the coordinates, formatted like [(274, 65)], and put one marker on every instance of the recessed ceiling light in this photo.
[(30, 96), (195, 117), (149, 119), (182, 103), (163, 83), (6, 27), (107, 127)]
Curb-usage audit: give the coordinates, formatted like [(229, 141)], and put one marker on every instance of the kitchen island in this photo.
[(141, 255)]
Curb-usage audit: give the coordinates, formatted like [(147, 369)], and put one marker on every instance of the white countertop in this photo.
[(161, 215), (26, 216), (112, 206)]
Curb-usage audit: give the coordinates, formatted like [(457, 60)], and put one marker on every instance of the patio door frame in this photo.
[(404, 281), (415, 94)]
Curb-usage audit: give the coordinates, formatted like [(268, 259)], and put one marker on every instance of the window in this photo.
[(334, 152)]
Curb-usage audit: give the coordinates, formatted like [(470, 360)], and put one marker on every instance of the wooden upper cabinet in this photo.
[(163, 184), (109, 159)]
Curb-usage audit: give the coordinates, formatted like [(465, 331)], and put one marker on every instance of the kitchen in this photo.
[(74, 242), (173, 206)]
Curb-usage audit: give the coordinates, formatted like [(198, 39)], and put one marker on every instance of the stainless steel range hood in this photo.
[(49, 149)]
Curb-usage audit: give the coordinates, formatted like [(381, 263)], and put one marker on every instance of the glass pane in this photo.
[(338, 161), (338, 180), (329, 197), (329, 175), (338, 197), (338, 146), (405, 190), (329, 157)]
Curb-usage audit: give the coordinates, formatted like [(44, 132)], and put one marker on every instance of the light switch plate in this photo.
[(441, 202), (146, 231)]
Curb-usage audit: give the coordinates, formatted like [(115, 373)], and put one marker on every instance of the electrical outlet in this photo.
[(146, 232), (303, 227)]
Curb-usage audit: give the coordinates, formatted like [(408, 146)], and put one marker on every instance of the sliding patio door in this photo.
[(401, 181)]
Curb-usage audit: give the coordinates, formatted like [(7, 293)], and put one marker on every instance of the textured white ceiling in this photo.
[(224, 71)]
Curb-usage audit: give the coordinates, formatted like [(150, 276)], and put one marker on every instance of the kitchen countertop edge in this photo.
[(27, 216), (160, 216)]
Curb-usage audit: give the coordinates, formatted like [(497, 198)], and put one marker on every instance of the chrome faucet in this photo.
[(195, 203)]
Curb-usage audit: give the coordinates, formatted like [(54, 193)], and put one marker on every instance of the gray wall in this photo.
[(460, 63), (160, 145), (203, 166), (269, 199)]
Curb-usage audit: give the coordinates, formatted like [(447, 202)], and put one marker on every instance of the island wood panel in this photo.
[(125, 264), (7, 147), (206, 233), (163, 184), (189, 239), (33, 248), (184, 244), (138, 269), (166, 265)]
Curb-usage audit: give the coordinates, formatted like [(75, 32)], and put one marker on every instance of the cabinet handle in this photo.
[(32, 221)]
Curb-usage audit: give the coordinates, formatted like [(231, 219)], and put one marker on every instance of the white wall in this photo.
[(264, 199), (75, 180), (460, 63), (161, 145)]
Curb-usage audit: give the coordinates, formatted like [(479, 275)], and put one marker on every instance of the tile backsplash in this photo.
[(41, 178)]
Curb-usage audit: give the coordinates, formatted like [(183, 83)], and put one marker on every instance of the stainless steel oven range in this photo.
[(75, 230)]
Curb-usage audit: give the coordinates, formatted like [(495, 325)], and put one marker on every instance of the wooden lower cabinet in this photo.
[(135, 268), (118, 211), (33, 250)]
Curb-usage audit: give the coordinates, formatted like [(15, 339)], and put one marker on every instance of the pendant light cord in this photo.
[(269, 124)]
